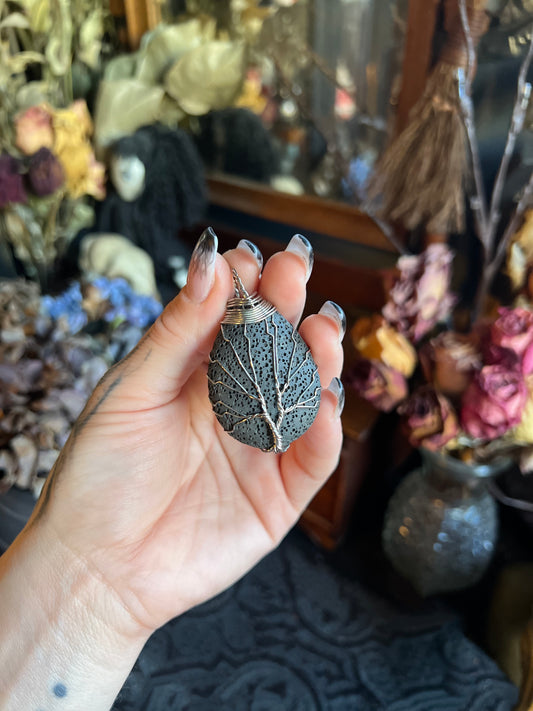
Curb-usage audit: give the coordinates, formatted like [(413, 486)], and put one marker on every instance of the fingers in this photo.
[(311, 459), (323, 333), (182, 336), (285, 276)]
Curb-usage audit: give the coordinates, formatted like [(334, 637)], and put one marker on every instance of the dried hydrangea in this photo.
[(49, 367)]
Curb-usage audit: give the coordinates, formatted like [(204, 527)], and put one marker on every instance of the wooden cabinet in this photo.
[(355, 287)]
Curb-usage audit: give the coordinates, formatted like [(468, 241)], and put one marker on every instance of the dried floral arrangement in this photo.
[(53, 351), (465, 391), (47, 164)]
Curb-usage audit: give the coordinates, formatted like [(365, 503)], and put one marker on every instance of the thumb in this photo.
[(182, 337)]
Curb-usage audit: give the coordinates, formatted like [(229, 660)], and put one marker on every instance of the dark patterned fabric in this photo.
[(295, 635)]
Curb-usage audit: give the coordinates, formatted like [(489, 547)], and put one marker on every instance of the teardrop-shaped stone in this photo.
[(263, 382)]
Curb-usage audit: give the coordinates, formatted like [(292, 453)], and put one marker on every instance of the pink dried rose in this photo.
[(11, 182), (380, 385), (45, 174), (494, 402), (513, 329), (498, 355), (420, 298), (449, 362), (429, 418), (33, 129)]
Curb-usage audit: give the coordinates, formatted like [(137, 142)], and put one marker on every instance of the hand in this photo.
[(157, 501)]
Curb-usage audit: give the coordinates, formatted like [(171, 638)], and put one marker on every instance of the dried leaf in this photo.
[(90, 38), (25, 451), (16, 20), (122, 107), (208, 77), (164, 46), (18, 62)]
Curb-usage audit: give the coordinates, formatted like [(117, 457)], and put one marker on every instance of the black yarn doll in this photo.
[(157, 187)]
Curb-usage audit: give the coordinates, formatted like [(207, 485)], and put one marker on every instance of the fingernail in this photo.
[(337, 388), (301, 246), (201, 272), (251, 247), (335, 313)]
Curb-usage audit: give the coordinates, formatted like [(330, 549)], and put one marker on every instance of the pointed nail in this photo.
[(201, 273), (251, 247), (335, 313), (337, 388), (301, 246)]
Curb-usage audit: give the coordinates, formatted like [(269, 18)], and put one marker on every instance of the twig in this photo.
[(470, 45), (523, 94), (511, 501), (512, 226), (478, 201)]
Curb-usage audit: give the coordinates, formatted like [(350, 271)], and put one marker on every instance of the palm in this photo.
[(166, 507)]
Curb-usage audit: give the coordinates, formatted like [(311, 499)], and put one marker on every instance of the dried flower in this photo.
[(376, 340), (382, 386), (494, 402), (513, 329), (11, 183), (83, 174), (430, 419), (420, 297), (449, 361), (34, 130), (45, 174)]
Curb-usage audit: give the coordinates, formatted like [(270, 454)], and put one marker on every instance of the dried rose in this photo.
[(34, 130), (513, 329), (449, 361), (420, 297), (45, 174), (429, 419), (374, 339), (382, 386), (498, 355), (11, 184), (494, 402), (83, 174)]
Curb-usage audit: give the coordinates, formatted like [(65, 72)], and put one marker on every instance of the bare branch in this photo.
[(523, 94), (511, 228), (470, 45), (478, 201)]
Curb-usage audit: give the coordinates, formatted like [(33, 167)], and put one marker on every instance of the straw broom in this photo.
[(420, 178)]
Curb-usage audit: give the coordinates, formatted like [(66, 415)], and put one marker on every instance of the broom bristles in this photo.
[(419, 180)]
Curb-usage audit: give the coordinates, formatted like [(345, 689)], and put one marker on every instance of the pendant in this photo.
[(263, 382)]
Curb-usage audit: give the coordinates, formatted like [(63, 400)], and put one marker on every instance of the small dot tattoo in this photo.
[(60, 690)]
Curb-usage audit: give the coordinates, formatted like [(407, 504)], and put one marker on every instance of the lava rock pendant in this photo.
[(263, 382)]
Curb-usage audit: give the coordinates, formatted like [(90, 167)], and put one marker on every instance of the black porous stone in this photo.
[(263, 383)]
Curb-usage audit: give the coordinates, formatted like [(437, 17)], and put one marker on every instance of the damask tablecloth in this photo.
[(297, 635)]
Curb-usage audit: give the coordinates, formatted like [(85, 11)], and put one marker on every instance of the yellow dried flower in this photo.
[(376, 340)]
